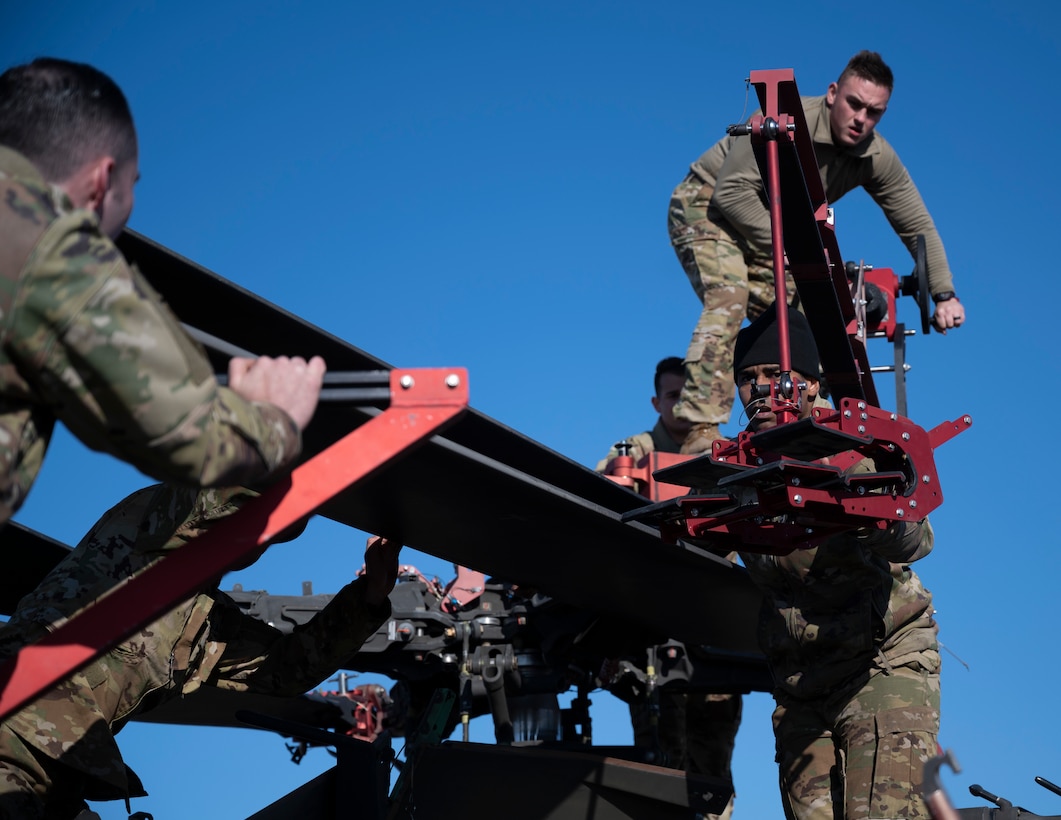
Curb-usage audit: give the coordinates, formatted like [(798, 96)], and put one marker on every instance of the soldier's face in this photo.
[(118, 201), (670, 389), (760, 416), (855, 108)]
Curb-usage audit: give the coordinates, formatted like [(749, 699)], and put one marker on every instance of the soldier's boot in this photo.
[(699, 438)]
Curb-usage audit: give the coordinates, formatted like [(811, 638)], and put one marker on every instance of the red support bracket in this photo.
[(423, 402)]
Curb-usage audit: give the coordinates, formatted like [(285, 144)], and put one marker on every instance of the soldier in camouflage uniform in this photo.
[(83, 337), (719, 225), (60, 750), (668, 433), (848, 633), (694, 732)]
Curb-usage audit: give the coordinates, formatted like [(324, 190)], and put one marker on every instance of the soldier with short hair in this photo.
[(83, 337), (60, 750), (848, 633), (719, 225), (668, 433)]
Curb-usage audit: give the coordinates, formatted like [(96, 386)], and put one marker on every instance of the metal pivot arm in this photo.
[(794, 186), (422, 403)]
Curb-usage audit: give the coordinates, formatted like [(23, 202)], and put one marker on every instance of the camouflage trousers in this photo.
[(693, 732), (859, 754), (35, 787), (732, 283)]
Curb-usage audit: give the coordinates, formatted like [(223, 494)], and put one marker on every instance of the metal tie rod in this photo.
[(352, 386)]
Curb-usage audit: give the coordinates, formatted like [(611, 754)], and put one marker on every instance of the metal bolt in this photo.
[(862, 428), (694, 512), (861, 490), (913, 503), (862, 406), (847, 414), (894, 417), (899, 513), (795, 481), (925, 479), (759, 460), (453, 380), (864, 417), (906, 436), (797, 499), (968, 419), (406, 382)]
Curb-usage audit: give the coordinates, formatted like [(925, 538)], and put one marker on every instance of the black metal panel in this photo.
[(483, 496), (26, 556)]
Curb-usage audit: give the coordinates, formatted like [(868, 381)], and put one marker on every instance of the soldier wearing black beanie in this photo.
[(758, 343)]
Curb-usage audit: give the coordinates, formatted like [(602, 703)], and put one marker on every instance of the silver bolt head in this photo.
[(406, 381), (453, 380)]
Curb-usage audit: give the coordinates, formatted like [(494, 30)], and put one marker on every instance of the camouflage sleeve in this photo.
[(104, 350), (893, 189), (262, 659)]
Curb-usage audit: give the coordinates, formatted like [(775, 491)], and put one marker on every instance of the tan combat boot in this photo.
[(699, 438)]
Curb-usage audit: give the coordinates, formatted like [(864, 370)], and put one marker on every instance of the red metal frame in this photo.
[(776, 502), (639, 477), (805, 236), (422, 403), (793, 513)]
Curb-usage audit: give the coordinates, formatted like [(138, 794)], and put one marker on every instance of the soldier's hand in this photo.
[(950, 313), (381, 568), (292, 384)]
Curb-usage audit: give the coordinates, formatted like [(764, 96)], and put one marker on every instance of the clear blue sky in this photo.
[(485, 185)]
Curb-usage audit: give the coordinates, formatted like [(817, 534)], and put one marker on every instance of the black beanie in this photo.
[(758, 343)]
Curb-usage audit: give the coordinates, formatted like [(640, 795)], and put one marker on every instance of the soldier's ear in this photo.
[(98, 181), (88, 185)]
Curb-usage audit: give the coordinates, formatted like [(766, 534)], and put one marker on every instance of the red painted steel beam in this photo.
[(422, 403), (790, 171)]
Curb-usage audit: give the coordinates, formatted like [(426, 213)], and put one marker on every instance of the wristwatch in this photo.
[(946, 296)]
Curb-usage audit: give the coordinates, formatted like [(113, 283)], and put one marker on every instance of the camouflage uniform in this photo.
[(692, 731), (848, 632), (61, 749), (719, 225), (84, 338)]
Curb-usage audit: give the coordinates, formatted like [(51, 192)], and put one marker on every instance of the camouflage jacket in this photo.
[(849, 607), (205, 641), (873, 165), (656, 440), (84, 338)]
